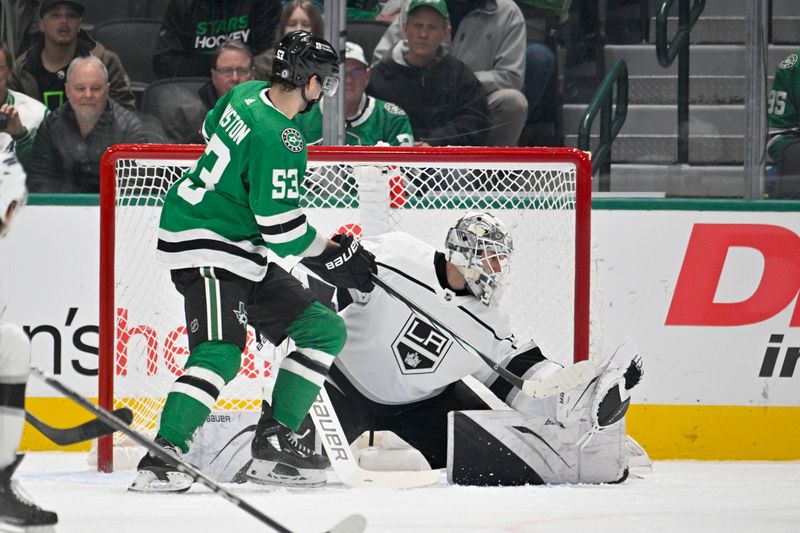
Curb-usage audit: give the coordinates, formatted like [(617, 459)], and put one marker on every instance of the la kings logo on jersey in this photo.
[(292, 140), (419, 348)]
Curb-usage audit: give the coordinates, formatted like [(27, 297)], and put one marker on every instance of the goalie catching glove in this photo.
[(350, 266)]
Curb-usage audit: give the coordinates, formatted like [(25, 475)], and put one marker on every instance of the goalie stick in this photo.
[(87, 431), (562, 381), (344, 462), (352, 524)]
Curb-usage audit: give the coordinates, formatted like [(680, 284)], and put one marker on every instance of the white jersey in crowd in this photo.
[(31, 113), (393, 356)]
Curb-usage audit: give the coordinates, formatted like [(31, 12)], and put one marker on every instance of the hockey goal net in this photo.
[(542, 194)]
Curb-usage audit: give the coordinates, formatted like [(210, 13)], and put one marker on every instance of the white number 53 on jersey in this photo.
[(284, 183)]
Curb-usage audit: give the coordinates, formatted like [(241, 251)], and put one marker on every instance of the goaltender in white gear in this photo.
[(399, 373), (16, 512)]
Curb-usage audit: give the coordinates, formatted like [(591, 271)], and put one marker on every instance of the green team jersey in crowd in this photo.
[(784, 106), (376, 121), (241, 198)]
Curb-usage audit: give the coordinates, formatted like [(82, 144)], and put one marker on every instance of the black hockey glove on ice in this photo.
[(351, 266)]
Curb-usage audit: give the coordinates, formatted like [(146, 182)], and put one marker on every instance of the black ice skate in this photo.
[(156, 475), (18, 513), (282, 457)]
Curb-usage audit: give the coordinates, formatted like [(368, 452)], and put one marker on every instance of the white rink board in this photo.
[(52, 254)]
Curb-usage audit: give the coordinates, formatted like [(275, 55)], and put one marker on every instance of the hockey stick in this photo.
[(352, 524), (562, 381), (87, 431), (344, 462)]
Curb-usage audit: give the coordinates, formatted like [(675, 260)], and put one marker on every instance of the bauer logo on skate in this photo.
[(702, 298)]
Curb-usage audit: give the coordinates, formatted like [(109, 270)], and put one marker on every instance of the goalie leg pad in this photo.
[(503, 448)]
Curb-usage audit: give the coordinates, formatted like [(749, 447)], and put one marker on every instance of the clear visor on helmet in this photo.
[(329, 85)]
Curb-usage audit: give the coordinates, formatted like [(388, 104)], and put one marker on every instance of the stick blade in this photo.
[(355, 523), (391, 479), (124, 414)]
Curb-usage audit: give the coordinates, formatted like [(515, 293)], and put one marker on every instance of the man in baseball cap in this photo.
[(438, 5), (47, 5), (41, 71)]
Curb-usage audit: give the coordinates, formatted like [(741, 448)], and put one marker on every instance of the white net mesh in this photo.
[(536, 199)]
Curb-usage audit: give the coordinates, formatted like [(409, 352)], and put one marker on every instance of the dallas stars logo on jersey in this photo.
[(292, 140), (420, 348)]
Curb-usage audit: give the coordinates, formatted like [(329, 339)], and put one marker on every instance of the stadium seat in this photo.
[(156, 9), (366, 33), (98, 11), (166, 99), (133, 40)]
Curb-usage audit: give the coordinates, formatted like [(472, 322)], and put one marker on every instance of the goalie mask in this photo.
[(12, 190), (480, 246), (301, 56)]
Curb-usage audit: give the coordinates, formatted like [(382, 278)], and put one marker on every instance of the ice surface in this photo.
[(680, 496)]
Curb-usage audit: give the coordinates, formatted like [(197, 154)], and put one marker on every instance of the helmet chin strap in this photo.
[(309, 103)]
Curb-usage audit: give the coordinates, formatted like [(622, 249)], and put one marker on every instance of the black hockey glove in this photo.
[(351, 266)]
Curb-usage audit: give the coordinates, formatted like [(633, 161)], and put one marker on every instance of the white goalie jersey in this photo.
[(394, 356)]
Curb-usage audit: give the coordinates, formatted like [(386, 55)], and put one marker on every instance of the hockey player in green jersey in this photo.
[(238, 203), (369, 120), (784, 107)]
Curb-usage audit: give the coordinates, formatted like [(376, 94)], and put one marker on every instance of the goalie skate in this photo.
[(156, 475)]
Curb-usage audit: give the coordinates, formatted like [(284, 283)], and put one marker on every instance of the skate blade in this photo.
[(272, 473), (147, 481), (6, 527)]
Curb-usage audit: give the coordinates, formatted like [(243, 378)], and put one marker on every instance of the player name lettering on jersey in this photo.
[(233, 124)]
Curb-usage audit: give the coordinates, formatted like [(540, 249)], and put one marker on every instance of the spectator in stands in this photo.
[(296, 15), (193, 29), (369, 120), (183, 118), (41, 70), (783, 147), (20, 115), (363, 9), (541, 17), (72, 139), (443, 98), (489, 37)]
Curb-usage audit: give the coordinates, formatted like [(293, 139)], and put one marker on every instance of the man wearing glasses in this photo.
[(182, 120)]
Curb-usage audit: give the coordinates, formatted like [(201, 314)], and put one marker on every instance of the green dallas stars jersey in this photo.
[(376, 121), (784, 106), (241, 197)]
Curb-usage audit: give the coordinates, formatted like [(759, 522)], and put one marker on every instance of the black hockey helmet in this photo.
[(300, 55)]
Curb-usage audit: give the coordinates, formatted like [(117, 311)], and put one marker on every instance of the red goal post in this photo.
[(543, 195)]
